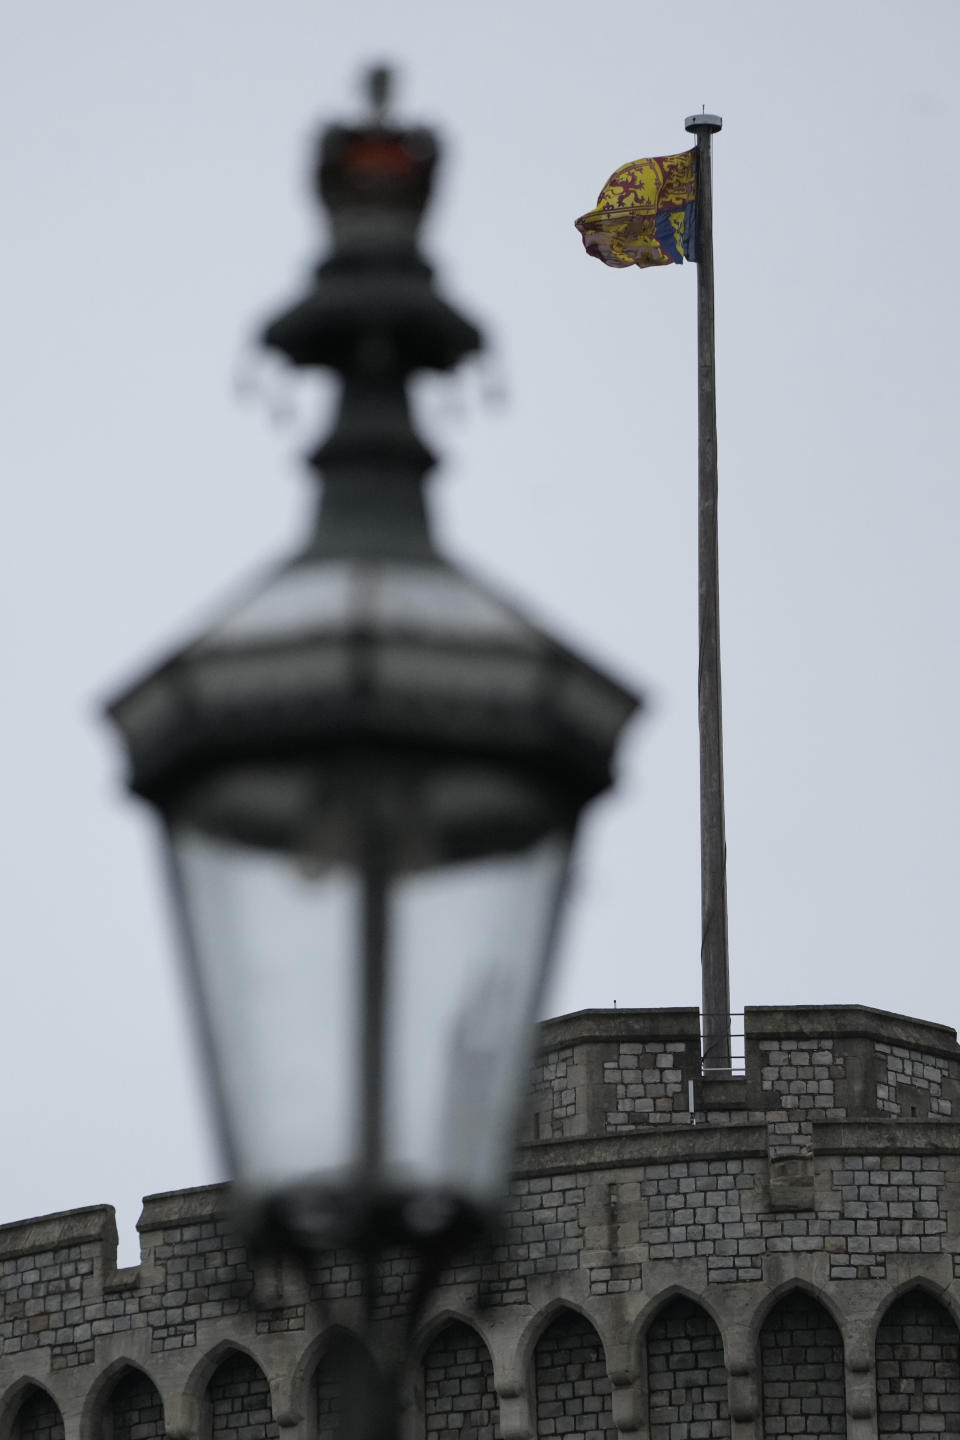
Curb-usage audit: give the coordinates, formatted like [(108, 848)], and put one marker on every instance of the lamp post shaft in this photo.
[(714, 954), (373, 933)]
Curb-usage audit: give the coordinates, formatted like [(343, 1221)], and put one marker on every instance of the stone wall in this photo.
[(647, 1084), (554, 1099), (914, 1083), (749, 1267)]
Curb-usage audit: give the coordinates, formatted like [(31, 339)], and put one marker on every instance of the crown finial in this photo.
[(379, 88), (373, 314)]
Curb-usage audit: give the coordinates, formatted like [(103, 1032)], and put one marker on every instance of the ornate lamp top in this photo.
[(368, 633), (374, 307)]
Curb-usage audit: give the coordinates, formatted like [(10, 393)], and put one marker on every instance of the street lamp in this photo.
[(369, 773)]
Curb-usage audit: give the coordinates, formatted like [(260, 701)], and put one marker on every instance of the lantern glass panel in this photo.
[(369, 938), (274, 950), (469, 945)]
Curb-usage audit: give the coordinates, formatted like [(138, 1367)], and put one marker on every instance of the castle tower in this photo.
[(769, 1254)]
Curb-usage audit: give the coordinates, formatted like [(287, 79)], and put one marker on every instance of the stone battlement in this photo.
[(606, 1072)]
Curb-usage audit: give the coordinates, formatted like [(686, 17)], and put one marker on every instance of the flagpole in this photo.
[(714, 953)]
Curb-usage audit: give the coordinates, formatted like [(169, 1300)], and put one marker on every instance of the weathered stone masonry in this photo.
[(765, 1255)]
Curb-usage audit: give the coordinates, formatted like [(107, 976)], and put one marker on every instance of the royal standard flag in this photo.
[(645, 214)]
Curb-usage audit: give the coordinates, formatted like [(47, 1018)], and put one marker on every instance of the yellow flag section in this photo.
[(645, 214)]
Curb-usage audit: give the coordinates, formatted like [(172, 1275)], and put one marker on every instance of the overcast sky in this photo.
[(154, 160)]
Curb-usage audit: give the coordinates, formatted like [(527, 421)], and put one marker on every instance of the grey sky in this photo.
[(154, 177)]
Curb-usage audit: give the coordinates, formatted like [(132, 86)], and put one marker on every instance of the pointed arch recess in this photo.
[(195, 1387), (130, 1407), (801, 1369), (686, 1375), (540, 1323), (35, 1415), (344, 1376), (572, 1389), (918, 1367), (925, 1286), (658, 1302), (458, 1390), (448, 1315), (237, 1401), (831, 1303)]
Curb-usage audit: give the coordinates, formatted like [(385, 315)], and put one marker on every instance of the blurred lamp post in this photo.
[(369, 775)]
